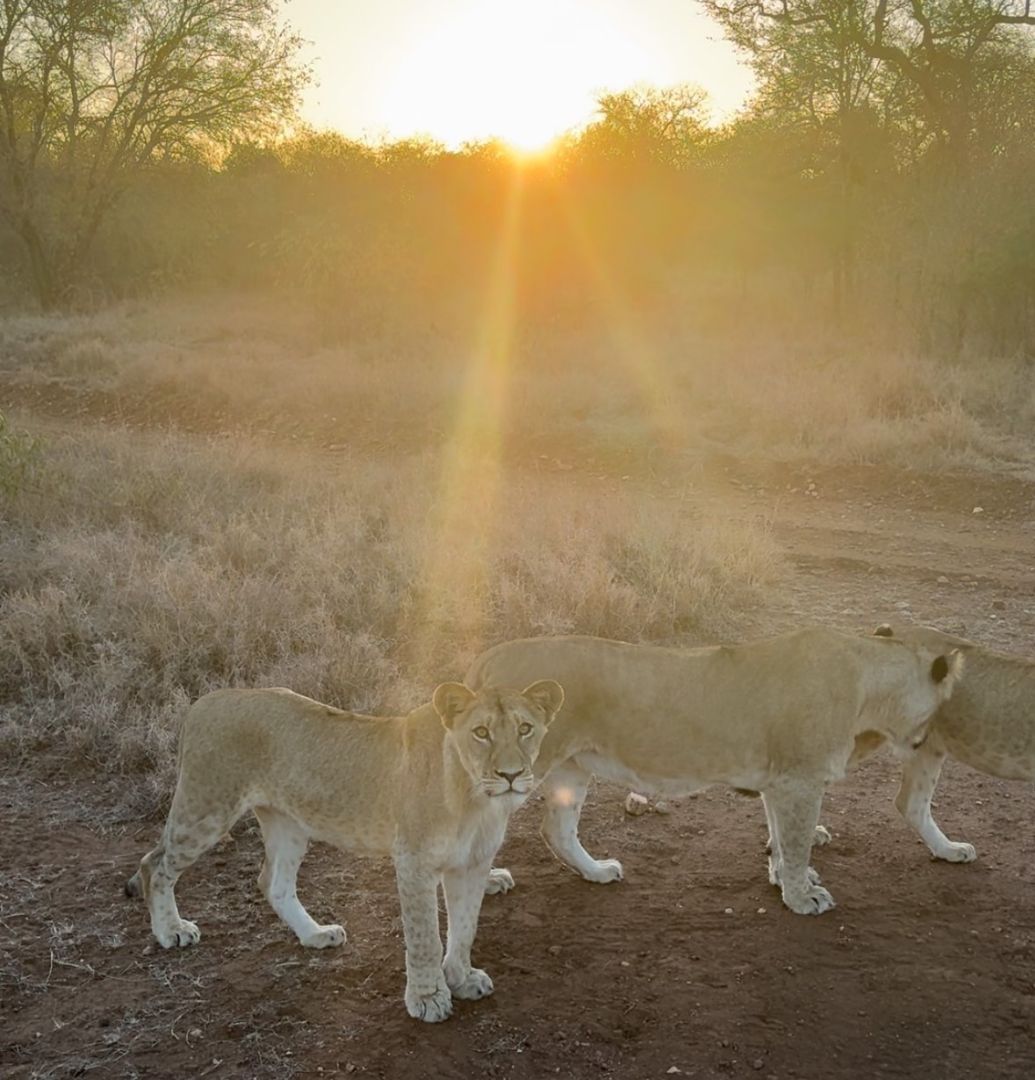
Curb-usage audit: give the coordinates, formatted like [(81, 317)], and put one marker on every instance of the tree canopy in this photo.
[(91, 91)]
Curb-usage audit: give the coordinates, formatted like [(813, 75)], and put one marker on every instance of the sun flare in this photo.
[(523, 73)]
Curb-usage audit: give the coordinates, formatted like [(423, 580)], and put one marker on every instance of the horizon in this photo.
[(401, 69)]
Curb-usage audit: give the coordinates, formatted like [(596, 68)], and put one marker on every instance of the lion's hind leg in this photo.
[(190, 830), (792, 808), (286, 843), (820, 836), (499, 880), (919, 779)]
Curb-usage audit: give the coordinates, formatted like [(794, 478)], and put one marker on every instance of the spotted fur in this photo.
[(433, 789)]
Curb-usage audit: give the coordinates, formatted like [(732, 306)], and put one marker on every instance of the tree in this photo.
[(647, 124), (94, 91), (943, 49)]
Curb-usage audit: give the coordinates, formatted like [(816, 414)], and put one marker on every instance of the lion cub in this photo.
[(433, 789)]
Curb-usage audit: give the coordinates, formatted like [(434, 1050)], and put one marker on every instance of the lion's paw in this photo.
[(604, 871), (956, 852), (325, 937), (812, 901), (431, 1008), (500, 881), (474, 985), (181, 934), (821, 835)]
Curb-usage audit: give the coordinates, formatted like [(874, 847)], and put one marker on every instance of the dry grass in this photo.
[(138, 571), (616, 395), (141, 571)]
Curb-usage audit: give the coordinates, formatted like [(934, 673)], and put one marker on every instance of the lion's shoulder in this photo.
[(989, 722)]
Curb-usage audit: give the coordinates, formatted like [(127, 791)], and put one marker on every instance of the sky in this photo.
[(522, 70)]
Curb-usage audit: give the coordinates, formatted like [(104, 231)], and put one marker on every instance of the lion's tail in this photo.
[(139, 883)]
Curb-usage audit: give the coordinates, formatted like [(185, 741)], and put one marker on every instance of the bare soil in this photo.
[(689, 967)]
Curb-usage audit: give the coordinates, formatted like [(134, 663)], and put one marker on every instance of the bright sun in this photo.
[(524, 72)]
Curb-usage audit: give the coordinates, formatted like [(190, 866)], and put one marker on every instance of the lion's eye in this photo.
[(525, 729), (481, 732)]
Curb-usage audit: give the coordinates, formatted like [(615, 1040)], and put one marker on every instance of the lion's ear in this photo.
[(547, 694), (948, 667), (450, 699), (883, 631)]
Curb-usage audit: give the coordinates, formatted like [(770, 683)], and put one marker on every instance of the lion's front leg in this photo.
[(919, 779), (464, 889), (427, 995), (565, 791), (793, 810)]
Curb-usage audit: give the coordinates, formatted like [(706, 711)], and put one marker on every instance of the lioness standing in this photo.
[(433, 789), (780, 717), (988, 724)]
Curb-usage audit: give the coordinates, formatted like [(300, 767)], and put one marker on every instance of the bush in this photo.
[(20, 456), (149, 570)]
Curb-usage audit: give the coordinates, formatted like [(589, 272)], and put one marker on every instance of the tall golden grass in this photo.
[(259, 364), (141, 570)]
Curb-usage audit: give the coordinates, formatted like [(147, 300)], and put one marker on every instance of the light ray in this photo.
[(639, 355), (455, 582)]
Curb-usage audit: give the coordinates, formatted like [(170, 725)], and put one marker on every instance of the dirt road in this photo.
[(691, 967)]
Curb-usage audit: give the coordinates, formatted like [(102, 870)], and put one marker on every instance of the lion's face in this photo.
[(497, 732)]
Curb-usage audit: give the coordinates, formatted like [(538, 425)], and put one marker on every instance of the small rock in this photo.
[(942, 579), (978, 510), (661, 807), (673, 1069), (635, 804), (728, 911), (624, 963), (758, 1063), (761, 911), (554, 950)]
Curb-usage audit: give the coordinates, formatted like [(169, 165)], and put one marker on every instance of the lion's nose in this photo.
[(510, 777)]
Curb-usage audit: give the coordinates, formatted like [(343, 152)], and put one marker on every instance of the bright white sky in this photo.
[(524, 70)]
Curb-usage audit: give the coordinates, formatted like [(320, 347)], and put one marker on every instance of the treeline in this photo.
[(877, 190)]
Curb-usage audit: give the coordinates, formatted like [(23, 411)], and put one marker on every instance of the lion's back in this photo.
[(278, 747)]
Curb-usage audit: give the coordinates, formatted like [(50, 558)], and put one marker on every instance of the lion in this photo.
[(780, 717), (988, 724), (433, 789)]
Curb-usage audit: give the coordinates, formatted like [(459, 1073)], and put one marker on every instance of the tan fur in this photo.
[(433, 789), (988, 724), (780, 717)]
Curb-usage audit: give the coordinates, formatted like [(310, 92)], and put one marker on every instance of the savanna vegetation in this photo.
[(844, 271), (875, 190)]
